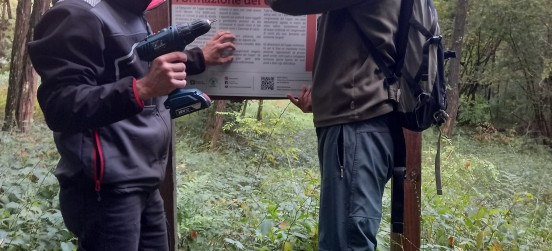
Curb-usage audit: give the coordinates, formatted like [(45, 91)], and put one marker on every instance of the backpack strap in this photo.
[(439, 97), (438, 184), (399, 159), (393, 74), (401, 41), (422, 74), (390, 75), (399, 175), (420, 27), (440, 116)]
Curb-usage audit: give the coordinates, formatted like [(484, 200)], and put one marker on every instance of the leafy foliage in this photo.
[(227, 207), (505, 64), (272, 141), (496, 197), (496, 190), (490, 202), (236, 204), (474, 112), (29, 214)]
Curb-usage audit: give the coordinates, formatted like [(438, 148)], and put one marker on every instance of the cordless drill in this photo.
[(175, 38)]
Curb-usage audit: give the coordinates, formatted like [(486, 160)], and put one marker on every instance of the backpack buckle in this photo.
[(435, 39), (440, 116), (450, 54)]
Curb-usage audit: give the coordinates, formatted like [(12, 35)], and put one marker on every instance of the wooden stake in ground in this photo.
[(410, 240)]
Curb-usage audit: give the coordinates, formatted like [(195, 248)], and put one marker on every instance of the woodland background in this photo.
[(247, 172)]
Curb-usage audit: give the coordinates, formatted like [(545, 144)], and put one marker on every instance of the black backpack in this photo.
[(417, 87)]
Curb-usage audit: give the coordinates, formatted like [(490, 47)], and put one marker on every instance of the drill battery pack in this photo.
[(185, 101)]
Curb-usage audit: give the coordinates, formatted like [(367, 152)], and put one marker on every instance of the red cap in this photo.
[(154, 3)]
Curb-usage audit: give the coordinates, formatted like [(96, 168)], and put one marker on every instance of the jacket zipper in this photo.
[(145, 22), (341, 152), (99, 164)]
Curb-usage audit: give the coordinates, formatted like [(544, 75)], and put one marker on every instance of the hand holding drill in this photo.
[(165, 51), (167, 72)]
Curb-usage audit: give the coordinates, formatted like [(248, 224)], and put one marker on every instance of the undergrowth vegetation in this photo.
[(258, 190), (497, 194), (29, 209)]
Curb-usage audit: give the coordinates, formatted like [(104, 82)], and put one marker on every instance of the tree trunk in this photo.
[(19, 73), (4, 25), (6, 10), (260, 111), (29, 83), (215, 121), (3, 45), (23, 79), (546, 93), (542, 111), (453, 93), (244, 109)]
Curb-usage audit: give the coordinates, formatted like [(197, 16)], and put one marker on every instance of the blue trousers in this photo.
[(118, 222), (356, 161)]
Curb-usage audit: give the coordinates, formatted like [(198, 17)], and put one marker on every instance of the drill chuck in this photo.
[(193, 30)]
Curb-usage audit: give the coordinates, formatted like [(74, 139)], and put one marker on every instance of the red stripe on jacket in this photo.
[(98, 152)]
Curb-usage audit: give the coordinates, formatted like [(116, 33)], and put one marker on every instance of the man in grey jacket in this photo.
[(351, 108), (105, 108)]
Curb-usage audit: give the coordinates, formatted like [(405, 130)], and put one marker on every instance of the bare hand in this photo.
[(304, 101), (167, 73), (216, 50)]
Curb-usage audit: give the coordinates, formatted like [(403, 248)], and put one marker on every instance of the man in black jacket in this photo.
[(105, 107)]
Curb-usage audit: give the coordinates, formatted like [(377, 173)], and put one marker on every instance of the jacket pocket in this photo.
[(341, 152)]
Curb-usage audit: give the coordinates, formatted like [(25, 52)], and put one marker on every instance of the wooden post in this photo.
[(159, 19), (411, 238)]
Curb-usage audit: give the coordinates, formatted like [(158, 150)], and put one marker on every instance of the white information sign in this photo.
[(274, 54)]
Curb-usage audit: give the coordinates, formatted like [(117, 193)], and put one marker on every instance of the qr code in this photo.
[(267, 83)]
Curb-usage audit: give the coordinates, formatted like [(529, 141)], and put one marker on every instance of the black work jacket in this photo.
[(83, 52)]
